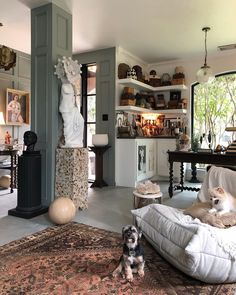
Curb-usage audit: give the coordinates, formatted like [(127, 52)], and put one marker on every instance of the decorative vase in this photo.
[(100, 139)]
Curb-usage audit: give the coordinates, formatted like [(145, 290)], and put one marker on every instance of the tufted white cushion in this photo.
[(199, 250)]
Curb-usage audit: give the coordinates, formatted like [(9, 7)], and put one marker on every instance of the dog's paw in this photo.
[(115, 273), (141, 273), (213, 210), (222, 212), (130, 278)]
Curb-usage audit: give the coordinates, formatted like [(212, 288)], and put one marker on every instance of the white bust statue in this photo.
[(73, 123)]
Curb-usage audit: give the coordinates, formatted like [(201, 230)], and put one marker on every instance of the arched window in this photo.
[(214, 109)]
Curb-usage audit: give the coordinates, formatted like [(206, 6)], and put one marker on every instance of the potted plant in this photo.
[(195, 142)]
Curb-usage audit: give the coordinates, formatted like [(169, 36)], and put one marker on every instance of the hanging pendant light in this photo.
[(205, 74)]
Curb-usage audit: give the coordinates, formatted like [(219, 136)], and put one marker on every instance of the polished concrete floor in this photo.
[(108, 208)]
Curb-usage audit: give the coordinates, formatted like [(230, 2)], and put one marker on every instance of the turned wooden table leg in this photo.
[(182, 176), (171, 180), (194, 174), (12, 173)]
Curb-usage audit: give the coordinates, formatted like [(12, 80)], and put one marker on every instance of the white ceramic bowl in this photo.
[(100, 139)]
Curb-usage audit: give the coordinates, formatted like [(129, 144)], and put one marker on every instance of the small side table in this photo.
[(12, 167), (143, 200), (99, 151)]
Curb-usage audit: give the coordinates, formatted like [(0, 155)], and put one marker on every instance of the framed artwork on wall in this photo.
[(141, 159), (17, 107)]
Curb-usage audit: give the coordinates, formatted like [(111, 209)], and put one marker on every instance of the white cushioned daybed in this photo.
[(200, 250)]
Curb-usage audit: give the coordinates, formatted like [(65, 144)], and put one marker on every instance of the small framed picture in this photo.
[(17, 107), (175, 95), (141, 159)]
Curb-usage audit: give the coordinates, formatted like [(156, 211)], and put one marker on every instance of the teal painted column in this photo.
[(51, 37)]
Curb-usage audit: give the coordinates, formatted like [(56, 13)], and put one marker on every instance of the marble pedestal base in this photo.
[(72, 175)]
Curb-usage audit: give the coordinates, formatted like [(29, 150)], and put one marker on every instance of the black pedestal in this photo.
[(194, 174), (29, 186), (99, 151)]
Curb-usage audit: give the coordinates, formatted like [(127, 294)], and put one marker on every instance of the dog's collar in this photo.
[(132, 252)]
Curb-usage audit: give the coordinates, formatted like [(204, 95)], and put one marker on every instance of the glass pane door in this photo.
[(89, 111)]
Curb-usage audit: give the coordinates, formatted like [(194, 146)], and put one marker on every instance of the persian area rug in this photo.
[(78, 259)]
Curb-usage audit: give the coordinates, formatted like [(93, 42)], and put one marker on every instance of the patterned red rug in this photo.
[(78, 259)]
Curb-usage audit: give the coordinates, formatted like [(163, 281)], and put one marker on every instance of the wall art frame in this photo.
[(17, 107)]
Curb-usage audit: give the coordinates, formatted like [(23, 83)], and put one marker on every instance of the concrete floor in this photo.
[(108, 208)]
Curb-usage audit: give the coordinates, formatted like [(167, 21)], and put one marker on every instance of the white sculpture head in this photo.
[(68, 70)]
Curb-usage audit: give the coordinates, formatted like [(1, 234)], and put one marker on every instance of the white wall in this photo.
[(123, 56), (221, 62)]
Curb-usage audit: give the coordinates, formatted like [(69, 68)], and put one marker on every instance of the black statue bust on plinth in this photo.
[(29, 180), (30, 139)]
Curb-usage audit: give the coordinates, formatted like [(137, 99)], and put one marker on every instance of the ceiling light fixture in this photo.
[(205, 74), (227, 47)]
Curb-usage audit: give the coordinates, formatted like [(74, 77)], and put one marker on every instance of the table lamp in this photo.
[(2, 121)]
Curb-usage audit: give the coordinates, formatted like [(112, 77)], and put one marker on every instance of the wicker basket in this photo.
[(127, 102), (155, 82), (180, 81), (129, 90)]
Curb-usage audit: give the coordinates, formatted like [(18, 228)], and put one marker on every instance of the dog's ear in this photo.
[(140, 233), (123, 231), (209, 192), (220, 190)]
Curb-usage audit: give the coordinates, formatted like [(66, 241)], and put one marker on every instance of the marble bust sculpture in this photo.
[(73, 123)]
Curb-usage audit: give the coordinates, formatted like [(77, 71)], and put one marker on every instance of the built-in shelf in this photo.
[(129, 82), (134, 109)]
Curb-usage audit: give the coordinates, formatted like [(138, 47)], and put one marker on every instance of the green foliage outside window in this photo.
[(215, 108)]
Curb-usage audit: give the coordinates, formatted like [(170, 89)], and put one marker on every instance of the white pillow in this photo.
[(199, 250)]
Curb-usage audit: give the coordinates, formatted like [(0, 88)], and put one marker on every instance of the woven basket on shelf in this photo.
[(179, 81), (127, 102)]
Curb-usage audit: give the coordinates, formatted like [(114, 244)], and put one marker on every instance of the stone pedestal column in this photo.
[(72, 175)]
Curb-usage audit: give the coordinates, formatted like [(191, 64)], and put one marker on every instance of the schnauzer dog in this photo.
[(132, 259)]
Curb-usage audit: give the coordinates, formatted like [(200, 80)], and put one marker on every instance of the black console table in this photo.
[(193, 158), (99, 151)]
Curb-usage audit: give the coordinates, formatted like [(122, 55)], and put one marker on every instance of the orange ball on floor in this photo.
[(62, 210)]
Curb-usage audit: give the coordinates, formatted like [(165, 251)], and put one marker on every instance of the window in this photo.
[(89, 110), (214, 109)]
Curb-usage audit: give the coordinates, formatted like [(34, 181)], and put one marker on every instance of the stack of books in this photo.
[(205, 151), (231, 149)]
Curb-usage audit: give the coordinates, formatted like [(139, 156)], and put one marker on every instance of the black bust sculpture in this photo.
[(30, 139)]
